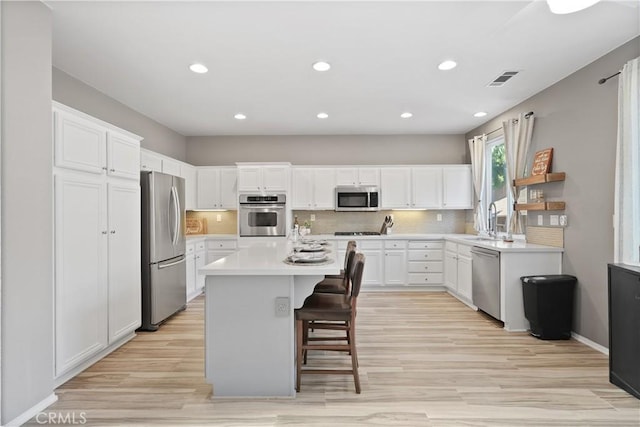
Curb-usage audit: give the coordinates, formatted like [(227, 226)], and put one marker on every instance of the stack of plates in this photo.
[(309, 247), (312, 257)]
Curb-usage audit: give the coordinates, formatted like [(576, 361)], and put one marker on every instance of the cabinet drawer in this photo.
[(221, 244), (425, 244), (464, 250), (425, 278), (200, 246), (395, 244), (425, 267), (368, 244), (425, 255)]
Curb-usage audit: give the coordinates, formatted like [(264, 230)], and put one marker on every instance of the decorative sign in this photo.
[(542, 162)]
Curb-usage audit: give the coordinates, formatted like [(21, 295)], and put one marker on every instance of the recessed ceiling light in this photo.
[(198, 68), (562, 7), (406, 115), (447, 65), (322, 115), (321, 66), (480, 114), (239, 116)]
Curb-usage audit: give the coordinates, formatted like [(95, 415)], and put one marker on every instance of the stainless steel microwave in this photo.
[(357, 198)]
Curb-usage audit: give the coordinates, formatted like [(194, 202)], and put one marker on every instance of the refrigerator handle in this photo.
[(178, 216), (174, 202)]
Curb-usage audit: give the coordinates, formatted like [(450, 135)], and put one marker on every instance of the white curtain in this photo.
[(627, 183), (477, 147), (517, 141)]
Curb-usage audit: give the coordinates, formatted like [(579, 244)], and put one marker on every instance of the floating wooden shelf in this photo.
[(539, 179), (543, 206)]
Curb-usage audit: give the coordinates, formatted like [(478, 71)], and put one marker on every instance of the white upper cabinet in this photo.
[(313, 188), (216, 188), (190, 175), (150, 161), (426, 183), (89, 145), (123, 158), (80, 143), (395, 187), (357, 176), (263, 178), (457, 187)]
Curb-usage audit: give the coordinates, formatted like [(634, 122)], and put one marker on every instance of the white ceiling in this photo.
[(384, 58)]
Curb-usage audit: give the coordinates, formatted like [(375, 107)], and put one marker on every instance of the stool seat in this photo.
[(325, 306), (332, 286)]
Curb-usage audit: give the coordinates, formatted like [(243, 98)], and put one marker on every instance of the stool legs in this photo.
[(299, 341)]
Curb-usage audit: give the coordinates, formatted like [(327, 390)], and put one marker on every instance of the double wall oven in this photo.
[(262, 215)]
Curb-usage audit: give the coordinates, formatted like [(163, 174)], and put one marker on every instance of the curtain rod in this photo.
[(526, 116), (604, 80)]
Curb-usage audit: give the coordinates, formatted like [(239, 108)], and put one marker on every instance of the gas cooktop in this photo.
[(356, 233)]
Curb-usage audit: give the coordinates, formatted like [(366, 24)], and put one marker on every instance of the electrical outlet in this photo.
[(564, 221), (282, 307), (540, 220), (439, 217), (219, 218), (553, 220), (313, 217)]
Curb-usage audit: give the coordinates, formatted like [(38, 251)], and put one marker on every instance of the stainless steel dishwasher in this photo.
[(485, 276)]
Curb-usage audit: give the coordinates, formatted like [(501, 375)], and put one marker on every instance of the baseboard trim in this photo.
[(594, 345), (33, 411), (66, 376)]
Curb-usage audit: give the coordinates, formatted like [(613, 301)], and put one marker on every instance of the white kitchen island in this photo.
[(249, 324)]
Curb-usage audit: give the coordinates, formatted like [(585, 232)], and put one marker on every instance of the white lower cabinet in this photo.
[(191, 270), (458, 270), (425, 263), (200, 261), (217, 249), (97, 265), (395, 262)]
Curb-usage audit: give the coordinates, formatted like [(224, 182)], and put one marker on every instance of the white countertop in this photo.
[(469, 239), (267, 259)]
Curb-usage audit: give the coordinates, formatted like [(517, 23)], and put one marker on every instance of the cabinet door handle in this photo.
[(104, 168), (113, 231), (104, 231), (112, 170)]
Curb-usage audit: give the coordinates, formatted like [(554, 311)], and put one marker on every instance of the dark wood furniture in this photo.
[(335, 285), (327, 307), (351, 246), (624, 327)]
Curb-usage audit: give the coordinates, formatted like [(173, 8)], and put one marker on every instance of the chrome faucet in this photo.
[(493, 216)]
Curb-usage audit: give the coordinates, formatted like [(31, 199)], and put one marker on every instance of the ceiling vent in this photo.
[(502, 78)]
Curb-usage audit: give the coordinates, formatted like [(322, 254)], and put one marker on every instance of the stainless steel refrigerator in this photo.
[(163, 248)]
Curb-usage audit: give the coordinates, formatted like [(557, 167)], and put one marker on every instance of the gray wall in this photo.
[(327, 150), (578, 118), (157, 137), (27, 208)]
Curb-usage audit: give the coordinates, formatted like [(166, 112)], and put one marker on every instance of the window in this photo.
[(496, 189)]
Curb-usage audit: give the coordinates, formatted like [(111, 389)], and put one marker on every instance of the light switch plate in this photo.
[(219, 218), (313, 217), (540, 220), (553, 220), (439, 217)]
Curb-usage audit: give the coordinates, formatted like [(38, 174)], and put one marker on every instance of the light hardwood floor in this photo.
[(425, 360)]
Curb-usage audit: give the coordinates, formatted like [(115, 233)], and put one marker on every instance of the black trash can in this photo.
[(548, 305)]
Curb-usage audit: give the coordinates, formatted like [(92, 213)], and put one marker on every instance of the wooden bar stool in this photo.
[(327, 307), (335, 285), (351, 246)]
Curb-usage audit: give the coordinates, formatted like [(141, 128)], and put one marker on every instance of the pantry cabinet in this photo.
[(96, 237)]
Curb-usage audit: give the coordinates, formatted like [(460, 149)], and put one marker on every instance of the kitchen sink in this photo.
[(482, 238)]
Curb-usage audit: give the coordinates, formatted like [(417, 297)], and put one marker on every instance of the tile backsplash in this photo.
[(228, 223), (405, 222)]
